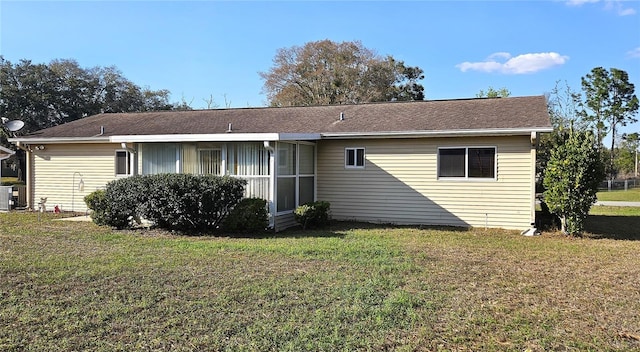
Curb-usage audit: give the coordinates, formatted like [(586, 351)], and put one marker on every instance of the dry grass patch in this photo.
[(75, 286)]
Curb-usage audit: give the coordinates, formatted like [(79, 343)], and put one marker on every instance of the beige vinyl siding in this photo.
[(399, 183), (55, 166)]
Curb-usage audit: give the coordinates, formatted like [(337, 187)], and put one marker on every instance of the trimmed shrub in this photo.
[(314, 214), (248, 216), (190, 203), (96, 202), (177, 202), (119, 204)]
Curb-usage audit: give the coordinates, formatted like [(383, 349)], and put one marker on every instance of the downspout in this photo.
[(28, 172), (272, 184), (532, 231)]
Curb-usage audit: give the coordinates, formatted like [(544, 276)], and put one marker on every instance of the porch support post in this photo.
[(272, 183)]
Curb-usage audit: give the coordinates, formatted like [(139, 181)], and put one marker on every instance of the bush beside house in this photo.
[(248, 216), (177, 202), (314, 214)]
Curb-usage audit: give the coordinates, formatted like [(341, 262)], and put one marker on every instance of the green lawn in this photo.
[(76, 286), (631, 195)]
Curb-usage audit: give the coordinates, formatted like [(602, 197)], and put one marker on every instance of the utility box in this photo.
[(6, 196)]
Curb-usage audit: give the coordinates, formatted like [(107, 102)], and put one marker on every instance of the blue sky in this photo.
[(200, 49)]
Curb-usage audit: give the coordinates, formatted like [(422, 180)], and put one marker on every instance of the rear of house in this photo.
[(474, 181), (468, 162)]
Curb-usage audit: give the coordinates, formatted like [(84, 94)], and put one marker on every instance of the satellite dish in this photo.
[(14, 125)]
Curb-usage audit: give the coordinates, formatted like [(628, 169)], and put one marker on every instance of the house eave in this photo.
[(216, 137), (5, 153), (58, 140), (256, 137), (435, 134), (219, 137)]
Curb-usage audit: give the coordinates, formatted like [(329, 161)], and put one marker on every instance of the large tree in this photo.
[(45, 95), (325, 72), (627, 154), (610, 102), (563, 105), (494, 93)]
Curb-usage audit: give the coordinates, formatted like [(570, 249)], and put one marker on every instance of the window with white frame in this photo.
[(354, 158), (467, 162), (124, 163)]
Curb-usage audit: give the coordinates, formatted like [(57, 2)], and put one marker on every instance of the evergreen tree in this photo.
[(571, 178)]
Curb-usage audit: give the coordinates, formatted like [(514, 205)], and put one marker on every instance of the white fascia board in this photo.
[(58, 140), (218, 137), (444, 133), (6, 150), (299, 136)]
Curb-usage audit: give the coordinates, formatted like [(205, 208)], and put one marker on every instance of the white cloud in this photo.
[(499, 55), (617, 6), (580, 2), (521, 64), (626, 12), (634, 53)]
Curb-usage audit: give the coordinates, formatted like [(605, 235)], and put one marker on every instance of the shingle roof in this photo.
[(424, 116)]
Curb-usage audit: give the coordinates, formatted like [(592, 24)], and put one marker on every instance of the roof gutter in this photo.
[(259, 137), (435, 134), (216, 137), (57, 140)]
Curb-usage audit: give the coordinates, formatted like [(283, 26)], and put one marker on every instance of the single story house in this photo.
[(464, 162)]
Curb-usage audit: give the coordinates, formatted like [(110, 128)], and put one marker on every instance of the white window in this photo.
[(124, 163), (467, 162), (354, 158)]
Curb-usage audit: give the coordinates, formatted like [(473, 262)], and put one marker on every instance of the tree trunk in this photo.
[(613, 140), (563, 224)]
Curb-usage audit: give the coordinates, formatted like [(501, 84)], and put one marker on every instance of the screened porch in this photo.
[(283, 173)]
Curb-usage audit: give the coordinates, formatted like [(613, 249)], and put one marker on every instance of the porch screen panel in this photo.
[(286, 159), (189, 158), (306, 170), (286, 182), (286, 193), (250, 161), (210, 162), (306, 189), (159, 158)]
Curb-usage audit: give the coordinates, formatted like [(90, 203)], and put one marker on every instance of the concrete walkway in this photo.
[(618, 204), (76, 218)]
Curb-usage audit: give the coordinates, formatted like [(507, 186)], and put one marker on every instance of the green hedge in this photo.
[(178, 202), (248, 217)]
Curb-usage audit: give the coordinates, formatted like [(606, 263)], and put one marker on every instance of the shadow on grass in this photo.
[(338, 229), (613, 227)]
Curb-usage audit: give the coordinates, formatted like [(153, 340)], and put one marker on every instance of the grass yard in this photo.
[(630, 195), (76, 286)]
